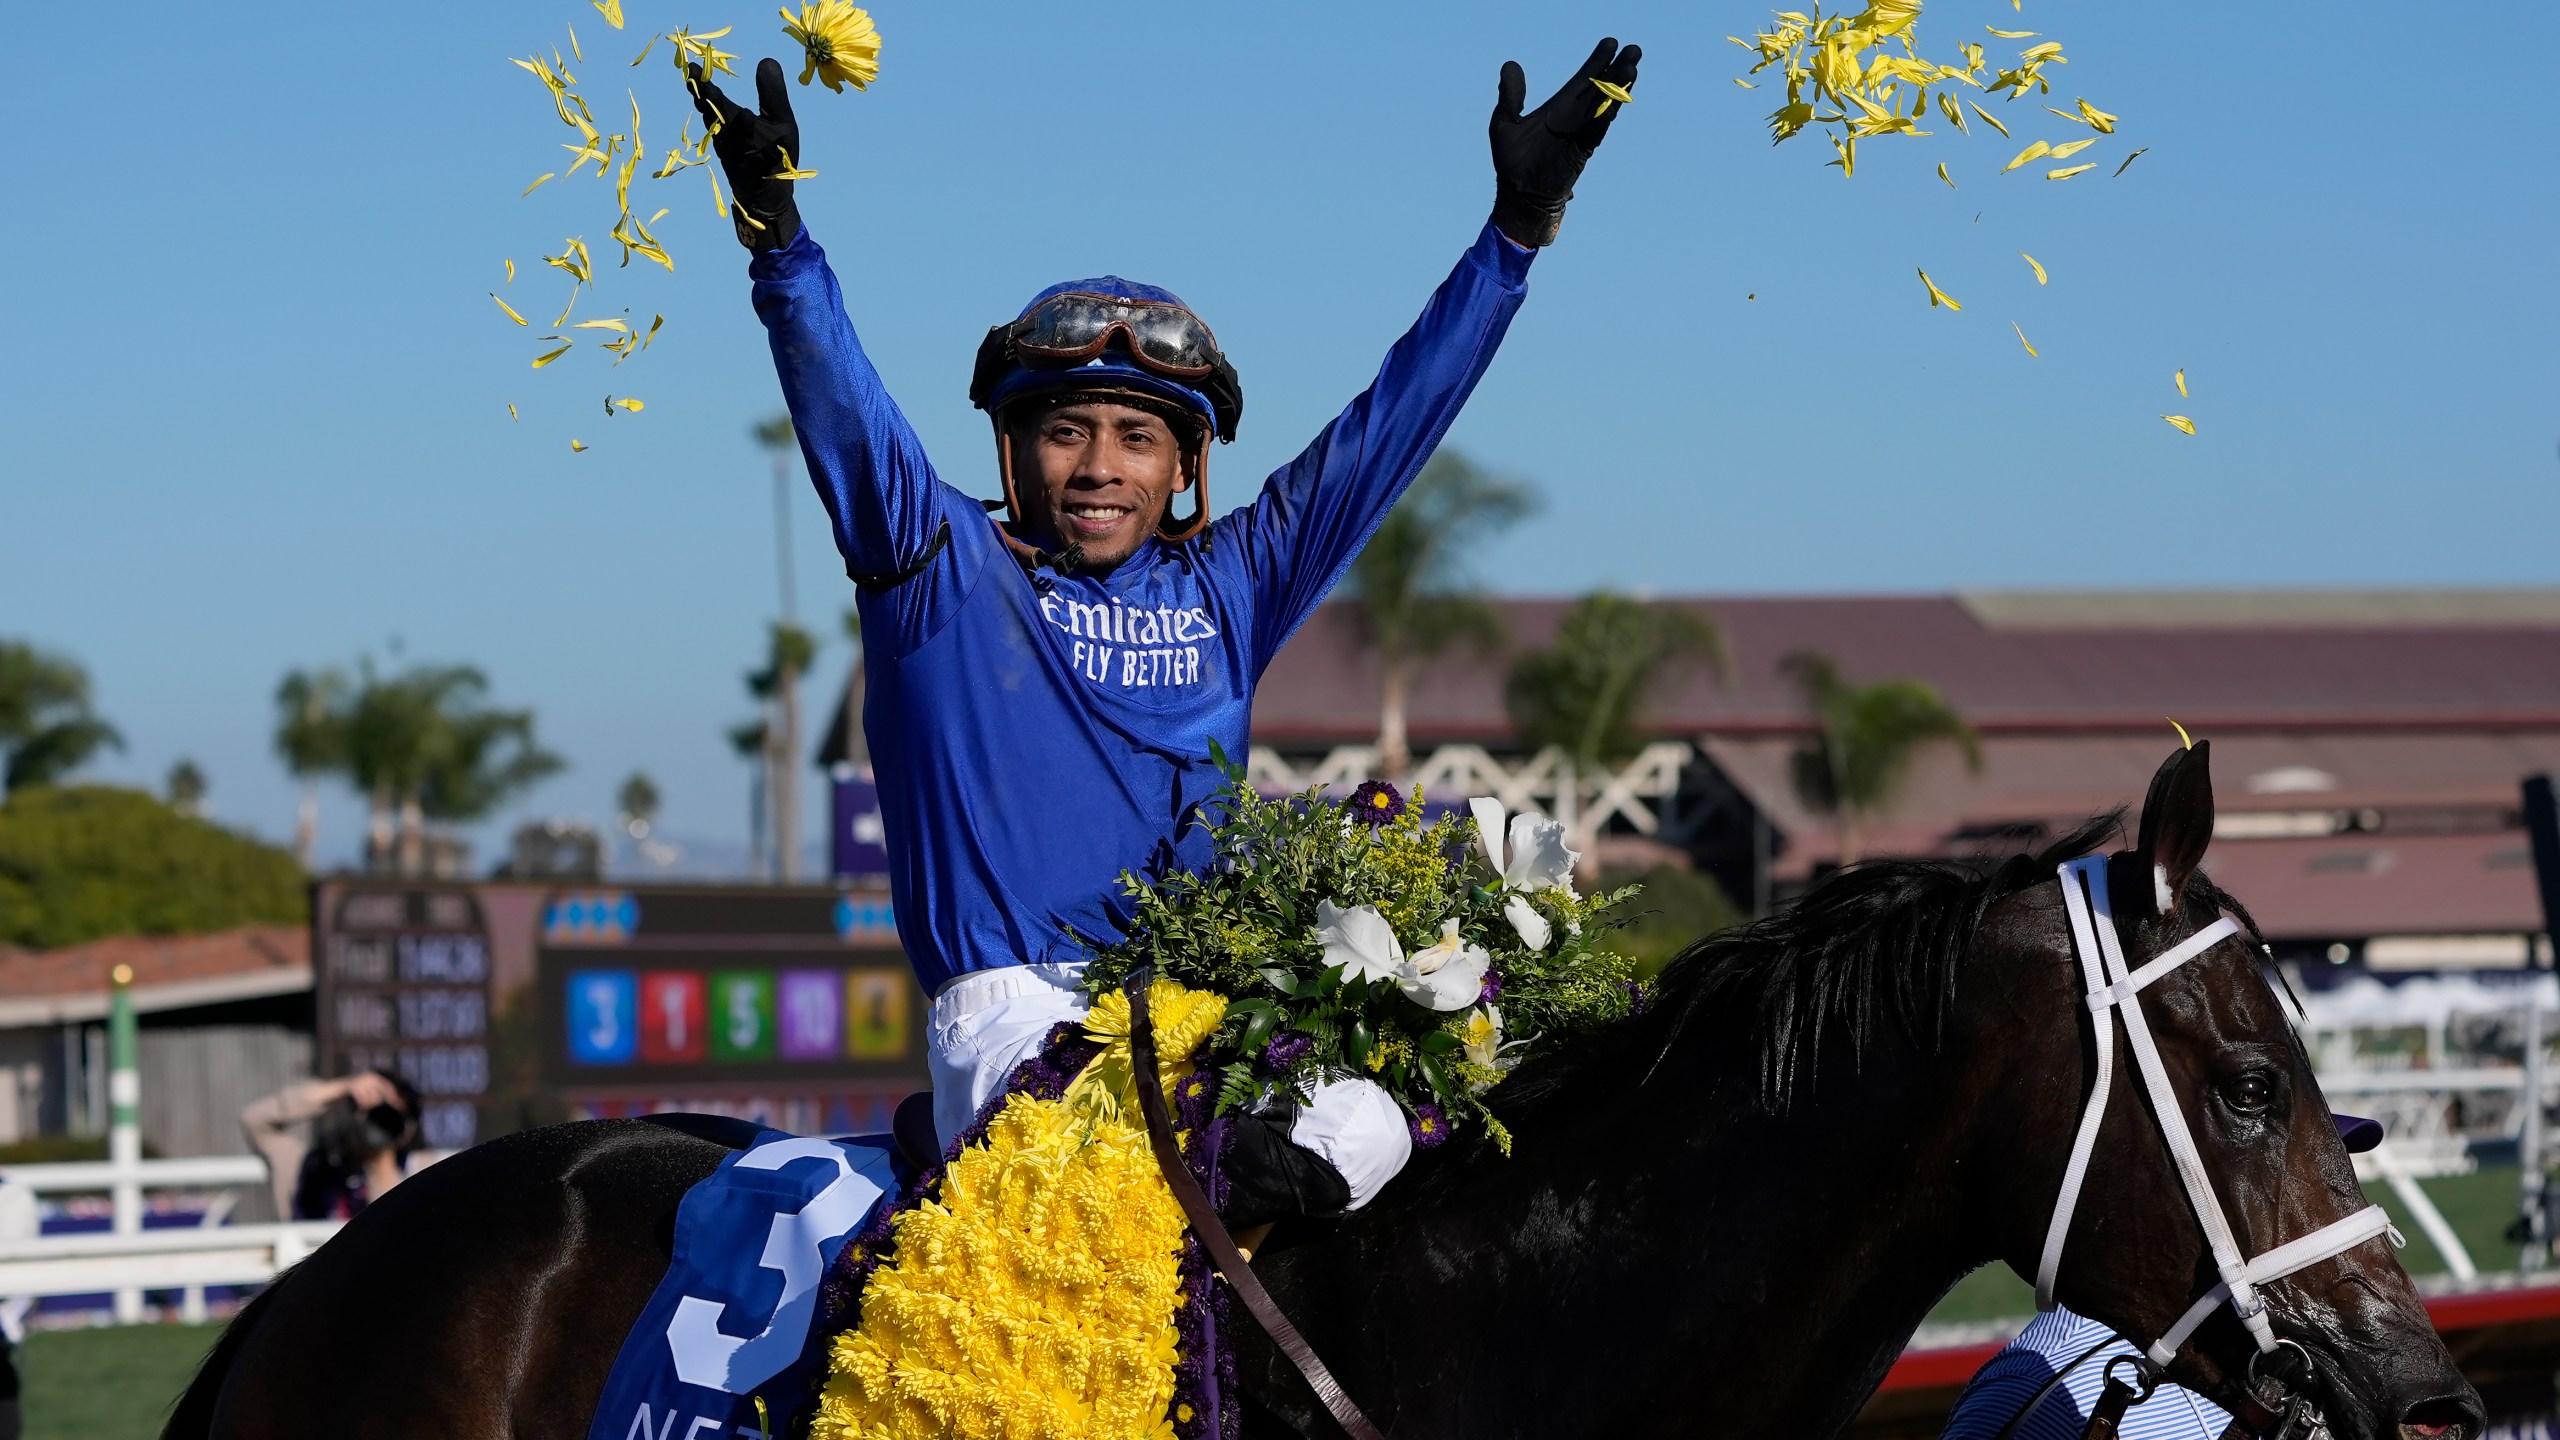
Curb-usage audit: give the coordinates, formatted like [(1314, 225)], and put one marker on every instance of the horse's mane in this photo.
[(1882, 942)]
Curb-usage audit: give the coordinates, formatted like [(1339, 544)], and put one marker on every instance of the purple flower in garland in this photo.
[(1429, 1125), (1492, 990), (1286, 1049), (1376, 803), (1635, 997)]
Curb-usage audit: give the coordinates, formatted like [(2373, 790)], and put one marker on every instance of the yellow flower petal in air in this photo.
[(1745, 84), (510, 309), (1938, 297), (1947, 107), (573, 45), (2129, 159), (2184, 424), (2066, 174), (2022, 339), (2032, 265), (512, 415), (2032, 152), (511, 272), (2013, 34), (2185, 741), (1610, 95), (536, 185), (616, 326), (611, 10), (2065, 152), (577, 447), (628, 403), (2049, 50), (1942, 174), (789, 171), (2181, 378), (838, 44), (2099, 120), (1989, 119), (654, 322), (543, 360)]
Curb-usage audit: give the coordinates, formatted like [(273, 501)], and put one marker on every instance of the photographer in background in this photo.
[(363, 1129)]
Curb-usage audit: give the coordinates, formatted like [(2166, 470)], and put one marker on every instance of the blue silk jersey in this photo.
[(1037, 736)]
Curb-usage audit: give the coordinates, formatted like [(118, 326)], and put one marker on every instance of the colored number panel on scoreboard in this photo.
[(679, 990)]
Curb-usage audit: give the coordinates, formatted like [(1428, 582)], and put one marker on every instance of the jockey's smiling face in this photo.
[(1096, 474)]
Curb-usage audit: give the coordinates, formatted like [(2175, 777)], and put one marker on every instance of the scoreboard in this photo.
[(793, 1007)]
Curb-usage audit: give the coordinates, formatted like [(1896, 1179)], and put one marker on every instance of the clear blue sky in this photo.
[(254, 396)]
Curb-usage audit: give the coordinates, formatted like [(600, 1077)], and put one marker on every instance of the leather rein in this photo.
[(1213, 1234)]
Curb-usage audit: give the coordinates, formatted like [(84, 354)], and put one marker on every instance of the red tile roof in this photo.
[(169, 972), (2431, 660)]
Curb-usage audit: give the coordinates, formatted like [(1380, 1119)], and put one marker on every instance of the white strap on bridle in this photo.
[(2112, 988)]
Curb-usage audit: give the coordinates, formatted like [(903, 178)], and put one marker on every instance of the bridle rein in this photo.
[(2112, 988)]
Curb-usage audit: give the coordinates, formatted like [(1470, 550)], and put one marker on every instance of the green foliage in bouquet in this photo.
[(1353, 938)]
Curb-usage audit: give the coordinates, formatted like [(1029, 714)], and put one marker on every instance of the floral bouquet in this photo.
[(1356, 938)]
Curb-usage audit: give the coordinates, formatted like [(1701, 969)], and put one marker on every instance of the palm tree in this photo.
[(46, 727), (788, 651), (311, 738), (753, 740), (1584, 692), (424, 745), (1409, 587), (1864, 739)]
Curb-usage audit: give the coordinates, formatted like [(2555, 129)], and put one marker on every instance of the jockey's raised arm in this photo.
[(1046, 693)]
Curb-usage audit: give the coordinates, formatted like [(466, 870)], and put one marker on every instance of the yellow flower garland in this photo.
[(1033, 1297)]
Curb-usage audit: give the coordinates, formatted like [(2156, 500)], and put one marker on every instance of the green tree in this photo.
[(1410, 588), (83, 862), (187, 788), (638, 802), (46, 727), (1864, 739), (311, 739), (1586, 691)]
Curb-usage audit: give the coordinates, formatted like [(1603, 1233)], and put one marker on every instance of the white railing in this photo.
[(186, 1258), (1635, 792), (203, 1172), (132, 1259)]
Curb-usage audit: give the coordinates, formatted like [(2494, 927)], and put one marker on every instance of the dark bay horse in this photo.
[(1723, 1217)]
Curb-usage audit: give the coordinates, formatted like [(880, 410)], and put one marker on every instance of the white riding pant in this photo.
[(989, 1021)]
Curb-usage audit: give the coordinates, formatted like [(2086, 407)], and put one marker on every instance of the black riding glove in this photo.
[(753, 149), (1271, 1177), (1538, 156)]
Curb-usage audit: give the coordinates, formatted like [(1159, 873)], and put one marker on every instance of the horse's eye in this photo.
[(2252, 1093)]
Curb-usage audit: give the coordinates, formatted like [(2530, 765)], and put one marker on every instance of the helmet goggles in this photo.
[(1078, 325), (1158, 337)]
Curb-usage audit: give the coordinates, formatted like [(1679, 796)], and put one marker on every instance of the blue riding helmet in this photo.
[(1112, 336)]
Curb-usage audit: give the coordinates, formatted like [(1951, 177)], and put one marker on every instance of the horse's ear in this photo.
[(2177, 823)]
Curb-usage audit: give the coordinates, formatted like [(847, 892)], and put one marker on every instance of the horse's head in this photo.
[(2143, 1243)]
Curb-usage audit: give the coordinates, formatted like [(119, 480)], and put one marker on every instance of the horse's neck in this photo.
[(1647, 1260)]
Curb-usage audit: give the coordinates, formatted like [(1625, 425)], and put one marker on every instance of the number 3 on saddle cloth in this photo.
[(732, 1321)]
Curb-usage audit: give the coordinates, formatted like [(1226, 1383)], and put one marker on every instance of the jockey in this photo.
[(1047, 693)]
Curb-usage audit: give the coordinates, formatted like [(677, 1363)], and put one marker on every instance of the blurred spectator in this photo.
[(363, 1129), (18, 1221)]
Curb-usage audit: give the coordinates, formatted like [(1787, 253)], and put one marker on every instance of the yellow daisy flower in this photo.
[(838, 43)]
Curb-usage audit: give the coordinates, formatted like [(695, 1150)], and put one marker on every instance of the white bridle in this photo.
[(2112, 988)]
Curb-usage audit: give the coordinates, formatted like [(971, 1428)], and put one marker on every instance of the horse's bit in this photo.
[(2112, 988)]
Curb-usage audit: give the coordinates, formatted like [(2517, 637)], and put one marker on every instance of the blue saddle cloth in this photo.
[(733, 1320)]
